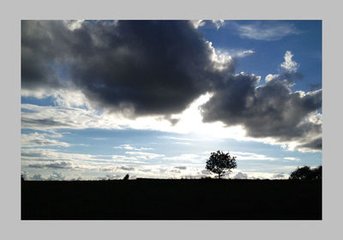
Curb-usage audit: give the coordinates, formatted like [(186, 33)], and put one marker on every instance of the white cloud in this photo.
[(125, 146), (291, 158), (218, 23), (71, 98), (98, 166), (241, 175), (57, 117), (189, 159), (144, 155), (186, 158), (53, 155), (221, 59), (271, 77), (251, 156), (127, 159), (43, 162), (73, 24), (289, 65), (241, 53), (42, 140), (132, 148), (181, 139), (265, 31), (56, 176), (198, 23), (315, 117)]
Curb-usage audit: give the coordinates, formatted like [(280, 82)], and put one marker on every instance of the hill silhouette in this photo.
[(183, 199)]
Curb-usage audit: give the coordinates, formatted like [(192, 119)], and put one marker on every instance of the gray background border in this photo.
[(11, 14)]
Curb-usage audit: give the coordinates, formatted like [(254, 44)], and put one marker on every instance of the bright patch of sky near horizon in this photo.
[(90, 143)]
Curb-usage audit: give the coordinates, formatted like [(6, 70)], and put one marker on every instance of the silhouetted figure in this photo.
[(126, 177)]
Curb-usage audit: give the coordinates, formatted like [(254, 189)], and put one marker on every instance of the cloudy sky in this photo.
[(101, 99)]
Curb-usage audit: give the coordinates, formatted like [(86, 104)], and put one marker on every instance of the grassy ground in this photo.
[(206, 199)]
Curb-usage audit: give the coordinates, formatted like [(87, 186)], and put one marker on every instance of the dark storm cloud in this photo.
[(148, 67), (270, 110), (159, 67), (315, 144), (42, 46)]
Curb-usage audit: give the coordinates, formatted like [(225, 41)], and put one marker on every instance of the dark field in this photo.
[(202, 199)]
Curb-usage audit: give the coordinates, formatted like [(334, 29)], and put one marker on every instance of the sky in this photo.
[(102, 99)]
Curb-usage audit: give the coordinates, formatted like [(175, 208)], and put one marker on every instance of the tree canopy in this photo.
[(306, 173), (221, 163)]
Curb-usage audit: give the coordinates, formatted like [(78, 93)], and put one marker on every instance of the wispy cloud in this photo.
[(252, 156), (132, 148), (42, 140), (30, 155), (56, 165), (144, 155), (266, 31), (242, 53), (189, 158), (127, 159), (291, 158)]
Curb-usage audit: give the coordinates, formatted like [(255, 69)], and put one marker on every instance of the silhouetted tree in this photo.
[(306, 173), (220, 163)]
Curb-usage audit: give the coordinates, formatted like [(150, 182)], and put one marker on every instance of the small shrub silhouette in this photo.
[(126, 177)]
